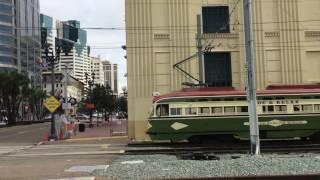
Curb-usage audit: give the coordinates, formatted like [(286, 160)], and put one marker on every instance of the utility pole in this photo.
[(252, 94), (200, 54), (65, 91), (52, 59), (90, 83)]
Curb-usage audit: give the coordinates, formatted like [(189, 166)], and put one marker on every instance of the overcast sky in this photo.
[(95, 14)]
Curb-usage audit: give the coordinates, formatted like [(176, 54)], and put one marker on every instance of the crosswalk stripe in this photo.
[(10, 149)]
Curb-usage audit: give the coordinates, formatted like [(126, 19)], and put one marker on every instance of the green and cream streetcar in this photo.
[(210, 113)]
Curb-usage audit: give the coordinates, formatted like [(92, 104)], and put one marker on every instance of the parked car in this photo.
[(82, 118), (47, 118)]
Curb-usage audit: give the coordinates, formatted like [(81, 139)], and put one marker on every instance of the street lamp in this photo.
[(90, 83), (52, 60)]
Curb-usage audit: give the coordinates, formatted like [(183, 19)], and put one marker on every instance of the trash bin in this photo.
[(82, 128)]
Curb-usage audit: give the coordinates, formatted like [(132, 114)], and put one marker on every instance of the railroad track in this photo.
[(285, 177), (242, 148)]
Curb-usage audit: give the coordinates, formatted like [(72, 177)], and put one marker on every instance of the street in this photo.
[(22, 156), (24, 135)]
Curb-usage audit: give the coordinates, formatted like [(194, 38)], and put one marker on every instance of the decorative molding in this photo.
[(221, 36), (312, 33), (272, 34), (161, 36)]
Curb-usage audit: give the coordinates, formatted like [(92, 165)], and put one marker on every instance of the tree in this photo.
[(104, 100), (122, 106), (11, 85), (35, 98)]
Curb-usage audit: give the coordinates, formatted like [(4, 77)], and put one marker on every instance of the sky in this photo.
[(95, 14)]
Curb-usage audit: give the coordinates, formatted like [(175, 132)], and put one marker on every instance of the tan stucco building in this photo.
[(161, 33)]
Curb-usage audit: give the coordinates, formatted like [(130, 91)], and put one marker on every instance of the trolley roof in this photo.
[(273, 90)]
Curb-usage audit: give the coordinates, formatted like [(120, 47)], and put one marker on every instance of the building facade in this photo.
[(46, 34), (162, 33), (8, 48), (74, 86), (111, 76), (74, 39), (97, 69), (20, 36)]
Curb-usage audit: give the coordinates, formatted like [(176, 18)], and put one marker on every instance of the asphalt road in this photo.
[(23, 157), (24, 135), (55, 160)]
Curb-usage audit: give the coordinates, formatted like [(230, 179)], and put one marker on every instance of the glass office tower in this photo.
[(20, 46), (8, 44)]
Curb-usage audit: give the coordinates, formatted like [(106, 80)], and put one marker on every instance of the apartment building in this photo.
[(111, 76)]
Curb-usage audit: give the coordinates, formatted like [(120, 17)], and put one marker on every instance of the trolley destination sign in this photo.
[(52, 104)]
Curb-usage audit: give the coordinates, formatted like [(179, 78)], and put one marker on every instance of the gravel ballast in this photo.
[(166, 166)]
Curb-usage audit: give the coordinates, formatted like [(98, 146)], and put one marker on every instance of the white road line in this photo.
[(70, 153), (11, 149), (23, 132), (76, 178), (69, 146)]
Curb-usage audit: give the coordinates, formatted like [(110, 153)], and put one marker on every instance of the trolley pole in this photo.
[(252, 95), (200, 54)]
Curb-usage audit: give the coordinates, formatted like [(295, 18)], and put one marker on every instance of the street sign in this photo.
[(52, 104), (90, 106), (73, 101), (66, 106)]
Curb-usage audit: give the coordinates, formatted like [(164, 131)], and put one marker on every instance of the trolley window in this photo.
[(229, 109), (317, 107), (217, 110), (175, 111), (163, 110), (268, 109), (296, 108), (242, 109), (281, 108), (307, 108), (191, 111), (204, 110)]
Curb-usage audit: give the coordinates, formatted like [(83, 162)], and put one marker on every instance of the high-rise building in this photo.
[(111, 76), (76, 53), (97, 69), (47, 38), (286, 42), (20, 36), (46, 29), (8, 48)]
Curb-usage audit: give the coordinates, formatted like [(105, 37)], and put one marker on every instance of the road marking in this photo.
[(133, 162), (103, 146), (23, 132), (12, 149), (88, 169), (105, 168), (116, 152), (96, 138), (76, 178)]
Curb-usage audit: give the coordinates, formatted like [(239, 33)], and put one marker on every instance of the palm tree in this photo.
[(11, 85)]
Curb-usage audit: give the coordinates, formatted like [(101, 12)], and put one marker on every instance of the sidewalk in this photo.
[(113, 129)]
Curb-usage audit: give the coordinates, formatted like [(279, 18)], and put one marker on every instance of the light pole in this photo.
[(252, 96), (90, 83), (52, 60)]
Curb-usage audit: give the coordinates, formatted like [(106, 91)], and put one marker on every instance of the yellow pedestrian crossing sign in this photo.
[(52, 104)]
